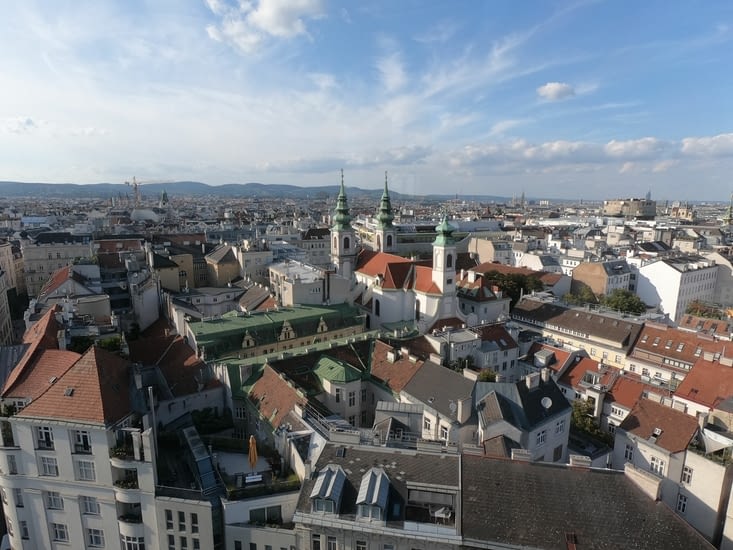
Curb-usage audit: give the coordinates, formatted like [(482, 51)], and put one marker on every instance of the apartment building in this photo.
[(49, 252)]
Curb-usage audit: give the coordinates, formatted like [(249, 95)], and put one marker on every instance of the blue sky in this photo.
[(555, 99)]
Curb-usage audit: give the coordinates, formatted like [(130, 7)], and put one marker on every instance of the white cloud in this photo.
[(503, 126), (714, 146), (635, 148), (247, 25), (19, 125), (392, 72), (664, 165), (555, 91), (627, 167)]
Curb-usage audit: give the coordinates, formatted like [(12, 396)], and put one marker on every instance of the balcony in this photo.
[(131, 525), (127, 491)]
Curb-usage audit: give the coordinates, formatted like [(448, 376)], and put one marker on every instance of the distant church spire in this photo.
[(342, 219), (385, 215)]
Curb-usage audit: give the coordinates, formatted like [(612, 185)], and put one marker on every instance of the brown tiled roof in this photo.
[(59, 277), (677, 428), (657, 342), (707, 383), (395, 375), (626, 391), (488, 267), (183, 370), (480, 290), (447, 322), (424, 280), (269, 303), (561, 356), (42, 335), (95, 389), (375, 263), (47, 365), (715, 327), (577, 370), (273, 397)]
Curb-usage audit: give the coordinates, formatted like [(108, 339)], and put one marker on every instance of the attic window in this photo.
[(657, 432), (656, 341), (668, 344), (68, 392), (698, 351), (644, 338), (680, 346)]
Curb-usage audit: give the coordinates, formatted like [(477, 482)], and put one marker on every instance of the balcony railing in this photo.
[(131, 518), (127, 483)]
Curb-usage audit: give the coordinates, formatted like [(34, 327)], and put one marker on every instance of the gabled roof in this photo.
[(626, 391), (708, 383), (161, 262), (480, 290), (335, 370), (713, 327), (47, 365), (375, 263), (496, 334), (42, 335), (395, 374), (647, 416), (96, 389), (424, 280), (661, 341), (273, 397), (440, 388), (556, 358), (222, 254), (577, 371)]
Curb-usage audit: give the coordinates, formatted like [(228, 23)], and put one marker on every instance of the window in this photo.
[(361, 545), (82, 443), (24, 534), (169, 519), (427, 424), (252, 546), (18, 497), (196, 544), (331, 543), (645, 371), (44, 437), (89, 505), (237, 545), (444, 433), (657, 465), (240, 413), (194, 523), (54, 501), (59, 532), (12, 466), (612, 428), (541, 437), (95, 538), (363, 396), (560, 426), (687, 475), (269, 515), (352, 420), (171, 541), (49, 466), (593, 351), (132, 543), (338, 395), (681, 503), (629, 453), (181, 521), (184, 543), (376, 308), (315, 542), (85, 470), (352, 398)]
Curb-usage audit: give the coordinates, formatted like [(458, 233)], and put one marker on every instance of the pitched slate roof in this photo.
[(621, 332), (96, 389), (222, 255), (536, 505), (440, 388), (677, 428)]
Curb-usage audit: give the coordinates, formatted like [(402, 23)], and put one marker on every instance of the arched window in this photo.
[(347, 243), (379, 243), (417, 310), (335, 242), (376, 308), (449, 260), (389, 240)]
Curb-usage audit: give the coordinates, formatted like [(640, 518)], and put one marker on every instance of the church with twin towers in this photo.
[(405, 295)]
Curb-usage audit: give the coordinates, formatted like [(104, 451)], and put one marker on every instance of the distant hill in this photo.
[(195, 188)]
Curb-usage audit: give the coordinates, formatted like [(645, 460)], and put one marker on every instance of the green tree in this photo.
[(583, 420), (487, 375), (624, 301), (582, 296), (513, 285), (700, 309)]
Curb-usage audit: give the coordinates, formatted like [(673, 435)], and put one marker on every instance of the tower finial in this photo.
[(385, 179), (342, 177)]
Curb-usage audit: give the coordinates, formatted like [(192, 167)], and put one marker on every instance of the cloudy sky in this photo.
[(586, 99)]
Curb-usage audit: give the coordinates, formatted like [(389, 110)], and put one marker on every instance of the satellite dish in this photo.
[(546, 403)]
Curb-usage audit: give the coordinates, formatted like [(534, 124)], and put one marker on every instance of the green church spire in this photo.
[(342, 219), (444, 233), (385, 216)]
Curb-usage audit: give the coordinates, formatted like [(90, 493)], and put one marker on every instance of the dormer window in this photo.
[(326, 494), (371, 501)]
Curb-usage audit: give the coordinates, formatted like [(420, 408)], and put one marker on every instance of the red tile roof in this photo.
[(626, 391), (46, 365), (424, 280), (273, 397), (677, 428), (42, 335), (578, 369), (561, 356), (375, 263), (395, 374), (95, 389), (656, 342), (707, 383)]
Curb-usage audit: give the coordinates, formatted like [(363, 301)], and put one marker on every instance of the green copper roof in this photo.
[(445, 233), (334, 370), (385, 216), (342, 219)]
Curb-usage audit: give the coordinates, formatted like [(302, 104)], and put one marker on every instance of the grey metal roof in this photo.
[(439, 388), (537, 505), (374, 488), (329, 483)]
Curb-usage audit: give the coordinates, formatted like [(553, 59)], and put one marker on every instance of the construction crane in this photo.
[(136, 189), (136, 183)]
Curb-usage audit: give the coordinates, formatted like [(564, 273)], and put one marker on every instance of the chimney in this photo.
[(545, 374), (532, 380)]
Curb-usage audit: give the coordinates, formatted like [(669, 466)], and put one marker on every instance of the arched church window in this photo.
[(449, 260), (347, 243), (389, 240), (376, 307)]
